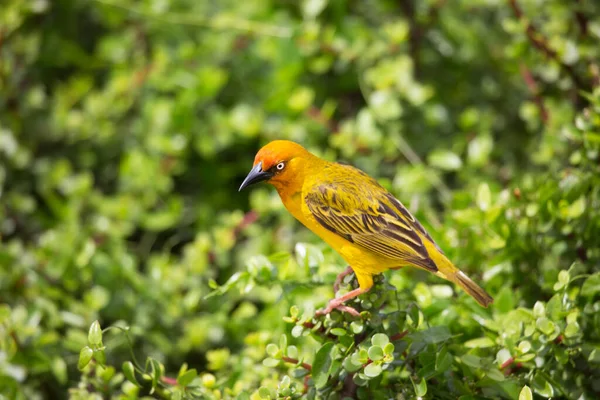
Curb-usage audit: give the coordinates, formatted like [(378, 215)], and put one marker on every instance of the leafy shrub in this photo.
[(131, 267)]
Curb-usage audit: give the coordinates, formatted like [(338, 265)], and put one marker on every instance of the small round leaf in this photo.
[(85, 356)]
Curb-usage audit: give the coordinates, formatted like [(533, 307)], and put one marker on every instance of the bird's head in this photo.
[(280, 163)]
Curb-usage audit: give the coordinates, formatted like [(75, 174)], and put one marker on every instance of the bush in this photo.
[(132, 268)]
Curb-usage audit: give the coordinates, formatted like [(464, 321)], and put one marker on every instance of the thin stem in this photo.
[(541, 43), (398, 336), (535, 92), (291, 360)]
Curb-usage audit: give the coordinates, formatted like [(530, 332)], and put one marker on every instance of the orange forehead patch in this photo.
[(276, 151)]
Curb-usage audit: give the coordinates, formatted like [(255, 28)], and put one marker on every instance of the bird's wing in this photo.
[(357, 208)]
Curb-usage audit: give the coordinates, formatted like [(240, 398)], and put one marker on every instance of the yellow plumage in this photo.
[(356, 216)]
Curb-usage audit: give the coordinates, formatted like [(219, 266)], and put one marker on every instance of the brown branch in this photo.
[(417, 30), (398, 336), (414, 33), (305, 384), (169, 381), (249, 218), (535, 92), (581, 20), (290, 360), (507, 363), (539, 42)]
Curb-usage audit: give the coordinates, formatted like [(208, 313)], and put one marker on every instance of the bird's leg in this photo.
[(340, 278), (338, 303)]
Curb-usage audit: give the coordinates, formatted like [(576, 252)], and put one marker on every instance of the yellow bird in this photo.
[(356, 216)]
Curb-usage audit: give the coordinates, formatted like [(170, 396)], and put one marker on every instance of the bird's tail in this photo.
[(448, 271), (473, 289)]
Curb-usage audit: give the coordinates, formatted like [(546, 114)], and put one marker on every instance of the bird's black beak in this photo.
[(256, 175)]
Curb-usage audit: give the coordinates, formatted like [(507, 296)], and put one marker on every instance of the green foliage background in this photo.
[(126, 128)]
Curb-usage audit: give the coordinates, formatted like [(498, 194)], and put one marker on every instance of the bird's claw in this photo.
[(335, 305), (340, 278)]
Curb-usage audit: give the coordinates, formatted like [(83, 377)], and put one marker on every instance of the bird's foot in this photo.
[(338, 304), (335, 305), (340, 278)]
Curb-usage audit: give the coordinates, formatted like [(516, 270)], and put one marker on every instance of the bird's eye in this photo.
[(280, 166)]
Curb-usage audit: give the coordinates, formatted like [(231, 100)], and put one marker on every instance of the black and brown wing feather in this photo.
[(364, 213)]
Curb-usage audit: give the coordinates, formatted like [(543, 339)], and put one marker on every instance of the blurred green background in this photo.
[(127, 126)]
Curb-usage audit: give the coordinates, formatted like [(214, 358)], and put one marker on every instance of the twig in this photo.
[(249, 218), (417, 30), (398, 336), (507, 363), (234, 24), (540, 43), (535, 92), (581, 20), (290, 360), (169, 381)]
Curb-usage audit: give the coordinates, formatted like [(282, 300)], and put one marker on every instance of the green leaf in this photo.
[(312, 8), (283, 341), (100, 356), (594, 356), (297, 331), (339, 331), (539, 310), (445, 160), (321, 365), (372, 370), (363, 356), (502, 356), (432, 335), (542, 387), (59, 369), (95, 334), (272, 349), (571, 329), (495, 375), (157, 371), (526, 393), (591, 286), (129, 372), (375, 353), (265, 393), (479, 149), (357, 327), (484, 197), (480, 343), (524, 346), (294, 310), (471, 360), (85, 356), (350, 365), (443, 360), (292, 351), (271, 362), (389, 349), (563, 280), (380, 339), (420, 388), (545, 326), (187, 377)]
